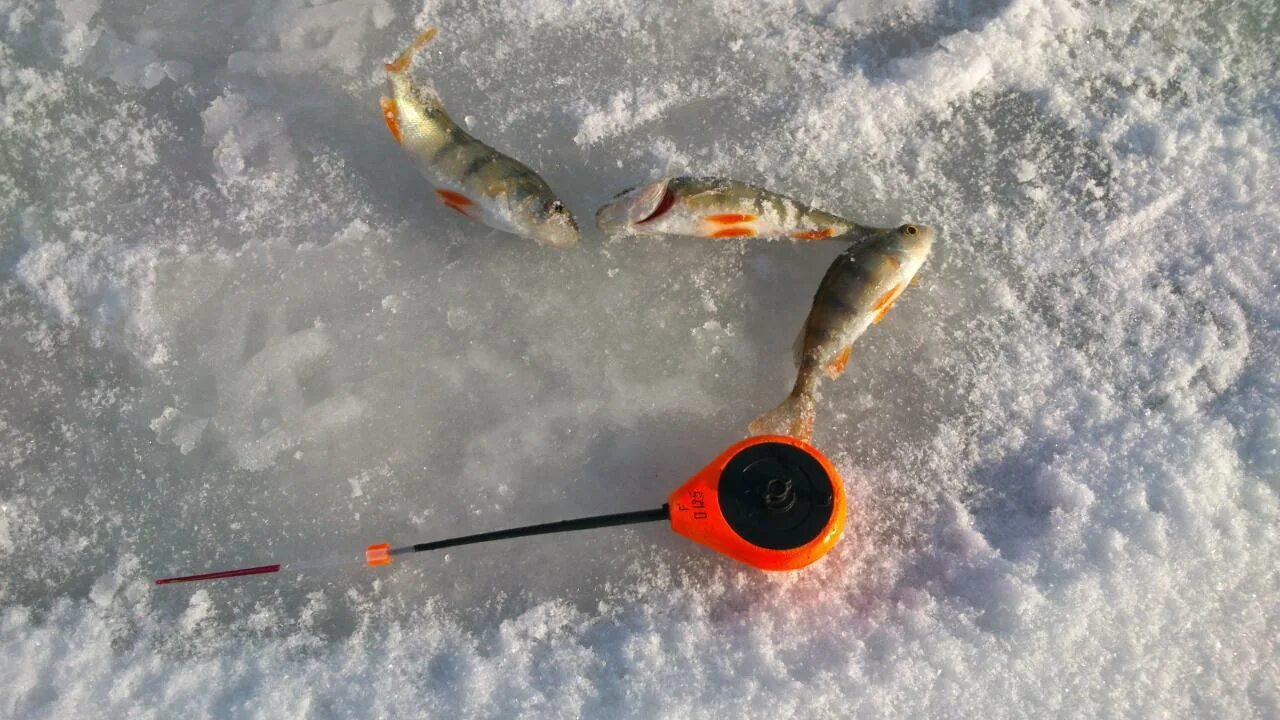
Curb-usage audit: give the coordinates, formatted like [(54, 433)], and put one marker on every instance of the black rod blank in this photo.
[(586, 523)]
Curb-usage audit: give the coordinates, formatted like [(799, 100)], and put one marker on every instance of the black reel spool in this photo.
[(776, 496)]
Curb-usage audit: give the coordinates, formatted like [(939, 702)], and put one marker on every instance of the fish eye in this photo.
[(555, 207), (910, 229)]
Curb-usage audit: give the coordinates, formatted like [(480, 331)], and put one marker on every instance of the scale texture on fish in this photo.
[(470, 177), (858, 289), (714, 208)]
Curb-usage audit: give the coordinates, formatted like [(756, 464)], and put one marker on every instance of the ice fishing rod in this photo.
[(772, 502)]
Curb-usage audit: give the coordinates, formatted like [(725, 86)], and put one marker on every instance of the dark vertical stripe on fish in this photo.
[(447, 144), (485, 157), (779, 208)]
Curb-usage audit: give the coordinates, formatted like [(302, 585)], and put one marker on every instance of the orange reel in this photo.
[(771, 501)]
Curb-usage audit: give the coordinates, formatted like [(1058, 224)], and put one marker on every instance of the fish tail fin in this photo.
[(405, 58), (793, 416)]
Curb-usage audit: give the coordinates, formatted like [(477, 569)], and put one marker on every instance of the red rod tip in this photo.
[(260, 570)]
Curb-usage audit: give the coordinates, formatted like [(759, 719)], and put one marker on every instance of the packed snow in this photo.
[(235, 330)]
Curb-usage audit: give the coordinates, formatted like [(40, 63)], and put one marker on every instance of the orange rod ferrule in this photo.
[(378, 554)]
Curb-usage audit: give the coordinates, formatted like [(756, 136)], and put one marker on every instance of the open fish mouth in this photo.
[(636, 206)]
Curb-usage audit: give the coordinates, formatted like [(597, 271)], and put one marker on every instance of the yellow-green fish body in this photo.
[(469, 176), (708, 207), (857, 290)]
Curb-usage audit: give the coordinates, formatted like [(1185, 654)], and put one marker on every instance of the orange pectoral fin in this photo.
[(390, 117), (837, 366), (882, 306), (739, 231), (454, 201), (449, 197)]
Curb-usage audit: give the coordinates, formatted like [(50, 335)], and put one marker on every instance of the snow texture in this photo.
[(234, 329)]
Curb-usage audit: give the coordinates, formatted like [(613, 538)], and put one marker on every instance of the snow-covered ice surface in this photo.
[(234, 329)]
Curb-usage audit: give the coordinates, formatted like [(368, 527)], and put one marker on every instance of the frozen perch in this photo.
[(715, 208), (857, 290), (470, 177)]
